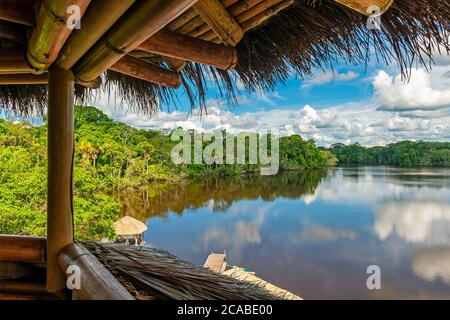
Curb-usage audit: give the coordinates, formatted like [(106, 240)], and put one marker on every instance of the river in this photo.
[(316, 232)]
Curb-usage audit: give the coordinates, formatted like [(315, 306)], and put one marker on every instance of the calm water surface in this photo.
[(316, 232)]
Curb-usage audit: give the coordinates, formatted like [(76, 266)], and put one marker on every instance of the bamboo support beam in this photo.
[(220, 21), (146, 71), (98, 19), (18, 11), (175, 45), (29, 78), (97, 283), (22, 286), (139, 23), (22, 249), (363, 6), (20, 79), (60, 165), (14, 61), (51, 32)]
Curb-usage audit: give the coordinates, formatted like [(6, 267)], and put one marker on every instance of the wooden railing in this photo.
[(23, 261)]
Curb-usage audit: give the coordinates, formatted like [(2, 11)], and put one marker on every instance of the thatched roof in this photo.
[(306, 35), (150, 273), (128, 226)]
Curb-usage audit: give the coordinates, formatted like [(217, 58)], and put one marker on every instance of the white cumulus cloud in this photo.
[(424, 90)]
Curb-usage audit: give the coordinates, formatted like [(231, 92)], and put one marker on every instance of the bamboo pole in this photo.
[(14, 61), (243, 6), (262, 17), (258, 9), (363, 6), (22, 286), (258, 14), (29, 78), (13, 32), (220, 21), (18, 11), (182, 20), (26, 78), (235, 10), (175, 45), (99, 18), (190, 14), (146, 71), (97, 283), (60, 165), (192, 25), (22, 249), (51, 32), (26, 296), (140, 22)]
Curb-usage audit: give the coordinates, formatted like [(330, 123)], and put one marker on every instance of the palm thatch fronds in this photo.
[(309, 34), (317, 33), (151, 273)]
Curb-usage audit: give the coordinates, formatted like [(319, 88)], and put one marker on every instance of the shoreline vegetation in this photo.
[(111, 156)]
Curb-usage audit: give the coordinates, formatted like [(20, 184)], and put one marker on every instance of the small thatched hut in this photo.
[(128, 227), (143, 50)]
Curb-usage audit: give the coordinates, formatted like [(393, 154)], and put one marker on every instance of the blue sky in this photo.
[(370, 104)]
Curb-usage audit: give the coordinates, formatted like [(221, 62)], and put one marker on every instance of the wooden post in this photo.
[(60, 161)]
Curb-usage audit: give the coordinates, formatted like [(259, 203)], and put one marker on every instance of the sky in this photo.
[(371, 105)]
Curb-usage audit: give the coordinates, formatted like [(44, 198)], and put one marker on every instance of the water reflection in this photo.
[(314, 232)]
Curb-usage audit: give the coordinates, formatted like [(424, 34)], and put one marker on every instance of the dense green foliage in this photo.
[(108, 156), (404, 154)]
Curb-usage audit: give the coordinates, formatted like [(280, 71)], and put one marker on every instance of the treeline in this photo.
[(403, 154), (108, 156)]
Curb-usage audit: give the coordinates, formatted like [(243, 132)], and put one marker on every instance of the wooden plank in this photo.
[(97, 283), (60, 165), (22, 249), (137, 68), (220, 21), (216, 262)]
